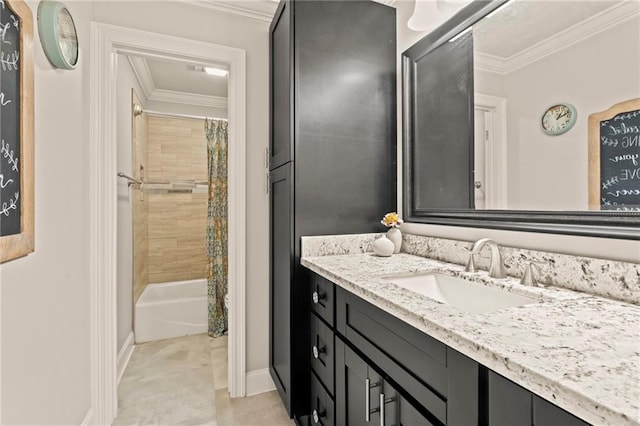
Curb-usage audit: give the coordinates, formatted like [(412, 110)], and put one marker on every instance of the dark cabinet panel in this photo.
[(509, 404), (363, 396), (281, 138), (322, 298), (547, 414), (333, 127), (321, 352), (464, 390), (322, 406), (281, 277)]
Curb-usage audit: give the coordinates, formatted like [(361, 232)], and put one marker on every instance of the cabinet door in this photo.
[(363, 396), (281, 143), (281, 282), (509, 404), (547, 414), (357, 389)]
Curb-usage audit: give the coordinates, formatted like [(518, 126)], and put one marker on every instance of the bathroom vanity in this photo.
[(383, 354)]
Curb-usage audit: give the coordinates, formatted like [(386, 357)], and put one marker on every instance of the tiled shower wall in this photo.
[(140, 203), (177, 221)]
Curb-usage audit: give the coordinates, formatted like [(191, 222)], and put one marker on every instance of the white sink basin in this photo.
[(465, 295)]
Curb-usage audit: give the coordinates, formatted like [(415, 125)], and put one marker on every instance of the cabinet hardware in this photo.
[(318, 350), (316, 297), (383, 402), (316, 415), (268, 183), (367, 396), (266, 158)]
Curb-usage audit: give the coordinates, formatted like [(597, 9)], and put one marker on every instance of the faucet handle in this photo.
[(531, 269), (471, 262)]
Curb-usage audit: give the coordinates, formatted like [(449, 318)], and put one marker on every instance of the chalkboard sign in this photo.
[(16, 130), (614, 158)]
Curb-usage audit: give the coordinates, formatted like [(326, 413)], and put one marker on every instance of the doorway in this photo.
[(108, 42)]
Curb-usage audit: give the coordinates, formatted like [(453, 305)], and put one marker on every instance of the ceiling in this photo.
[(522, 24), (500, 38)]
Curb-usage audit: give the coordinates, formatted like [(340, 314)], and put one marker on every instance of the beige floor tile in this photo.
[(183, 381)]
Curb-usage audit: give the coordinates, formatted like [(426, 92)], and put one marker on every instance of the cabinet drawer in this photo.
[(322, 295), (422, 355), (322, 406), (322, 352)]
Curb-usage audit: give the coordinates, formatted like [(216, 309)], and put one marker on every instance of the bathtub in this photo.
[(173, 309)]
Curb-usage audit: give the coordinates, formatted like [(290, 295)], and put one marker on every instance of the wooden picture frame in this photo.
[(595, 146), (18, 244)]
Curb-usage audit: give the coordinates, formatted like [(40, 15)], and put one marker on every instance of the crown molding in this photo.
[(152, 93), (143, 74), (260, 11), (161, 95), (608, 18)]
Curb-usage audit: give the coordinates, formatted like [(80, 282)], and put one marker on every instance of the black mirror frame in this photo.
[(610, 224)]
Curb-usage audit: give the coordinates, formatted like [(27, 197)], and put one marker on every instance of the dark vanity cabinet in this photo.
[(370, 368), (332, 161), (512, 405)]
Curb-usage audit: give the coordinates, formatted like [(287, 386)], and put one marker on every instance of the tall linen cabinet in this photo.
[(332, 155)]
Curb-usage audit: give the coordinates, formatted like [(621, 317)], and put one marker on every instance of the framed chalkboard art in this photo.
[(16, 130), (614, 158)]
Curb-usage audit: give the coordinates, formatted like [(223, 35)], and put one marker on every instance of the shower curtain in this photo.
[(217, 237)]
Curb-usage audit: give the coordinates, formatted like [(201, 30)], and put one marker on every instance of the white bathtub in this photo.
[(171, 309)]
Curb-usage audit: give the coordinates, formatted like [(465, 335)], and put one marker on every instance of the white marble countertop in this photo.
[(579, 351)]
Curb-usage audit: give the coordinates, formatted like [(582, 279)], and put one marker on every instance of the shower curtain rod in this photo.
[(169, 114)]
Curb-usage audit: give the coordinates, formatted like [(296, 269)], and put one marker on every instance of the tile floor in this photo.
[(183, 381)]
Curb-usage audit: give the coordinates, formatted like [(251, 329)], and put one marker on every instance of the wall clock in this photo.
[(58, 34), (559, 119)]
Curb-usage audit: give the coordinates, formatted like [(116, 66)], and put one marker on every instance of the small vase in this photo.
[(383, 246), (395, 236)]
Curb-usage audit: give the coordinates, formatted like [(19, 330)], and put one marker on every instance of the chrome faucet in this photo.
[(496, 267)]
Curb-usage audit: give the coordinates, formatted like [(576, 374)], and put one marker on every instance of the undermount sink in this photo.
[(465, 295)]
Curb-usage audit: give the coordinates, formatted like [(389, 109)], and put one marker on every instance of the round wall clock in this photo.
[(58, 34), (559, 119)]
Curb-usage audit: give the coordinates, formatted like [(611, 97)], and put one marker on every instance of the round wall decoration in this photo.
[(58, 34), (559, 119)]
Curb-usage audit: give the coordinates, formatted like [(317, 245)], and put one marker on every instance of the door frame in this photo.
[(496, 149), (107, 41)]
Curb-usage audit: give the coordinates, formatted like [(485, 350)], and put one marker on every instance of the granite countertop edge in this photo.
[(566, 391)]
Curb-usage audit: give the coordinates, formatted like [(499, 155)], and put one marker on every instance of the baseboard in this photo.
[(88, 419), (124, 356), (259, 381)]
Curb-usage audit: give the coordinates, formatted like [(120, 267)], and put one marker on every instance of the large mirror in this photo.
[(525, 114)]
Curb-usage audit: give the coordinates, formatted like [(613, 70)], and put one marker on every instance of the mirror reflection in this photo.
[(541, 68)]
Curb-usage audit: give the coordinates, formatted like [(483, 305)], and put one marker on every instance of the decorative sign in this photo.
[(16, 130), (614, 158)]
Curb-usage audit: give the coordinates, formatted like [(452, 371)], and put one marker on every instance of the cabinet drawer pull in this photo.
[(316, 416), (367, 397), (318, 350), (316, 297), (383, 402)]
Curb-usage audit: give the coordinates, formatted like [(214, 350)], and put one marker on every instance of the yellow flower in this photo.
[(391, 220)]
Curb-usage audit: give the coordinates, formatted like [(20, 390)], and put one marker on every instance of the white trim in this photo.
[(88, 418), (260, 11), (176, 115), (163, 95), (107, 41), (496, 149), (259, 381), (602, 21), (142, 72), (124, 356)]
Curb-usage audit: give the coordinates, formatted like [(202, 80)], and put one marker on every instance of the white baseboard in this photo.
[(259, 381), (124, 356), (88, 419)]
